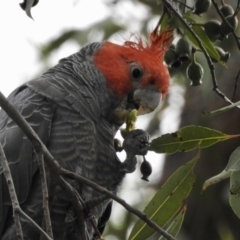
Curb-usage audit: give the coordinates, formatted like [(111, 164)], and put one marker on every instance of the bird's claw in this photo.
[(135, 142)]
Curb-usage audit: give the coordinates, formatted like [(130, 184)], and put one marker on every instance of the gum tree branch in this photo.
[(17, 211), (30, 220), (46, 212), (78, 206), (55, 168), (12, 193), (209, 61)]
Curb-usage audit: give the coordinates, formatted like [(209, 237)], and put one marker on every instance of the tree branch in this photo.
[(79, 208), (46, 212), (31, 221), (12, 193)]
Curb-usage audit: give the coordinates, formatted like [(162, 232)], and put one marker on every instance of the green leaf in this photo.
[(215, 179), (176, 224), (234, 197), (234, 161), (186, 139), (155, 6), (235, 183), (232, 166), (56, 43), (203, 37), (81, 36), (167, 201), (165, 22)]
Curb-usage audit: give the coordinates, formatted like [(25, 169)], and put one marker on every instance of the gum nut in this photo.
[(201, 6), (212, 29), (194, 72), (183, 50), (224, 56), (170, 56), (146, 169), (225, 29), (226, 10)]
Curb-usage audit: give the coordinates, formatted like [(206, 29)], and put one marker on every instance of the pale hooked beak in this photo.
[(145, 100)]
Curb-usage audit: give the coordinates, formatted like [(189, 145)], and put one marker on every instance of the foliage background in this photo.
[(209, 215)]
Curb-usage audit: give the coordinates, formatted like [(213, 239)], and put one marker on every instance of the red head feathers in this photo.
[(114, 61)]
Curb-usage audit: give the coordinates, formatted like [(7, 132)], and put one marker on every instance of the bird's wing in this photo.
[(18, 149)]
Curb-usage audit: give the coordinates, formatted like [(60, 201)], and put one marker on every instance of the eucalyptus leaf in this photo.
[(208, 45), (187, 138), (80, 36), (234, 197), (234, 161), (176, 224), (167, 201), (224, 109), (215, 179)]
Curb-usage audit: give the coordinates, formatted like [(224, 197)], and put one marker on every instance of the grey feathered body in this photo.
[(69, 108)]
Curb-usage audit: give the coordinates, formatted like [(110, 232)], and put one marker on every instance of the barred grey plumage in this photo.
[(71, 109)]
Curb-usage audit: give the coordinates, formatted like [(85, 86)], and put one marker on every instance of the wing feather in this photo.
[(18, 149)]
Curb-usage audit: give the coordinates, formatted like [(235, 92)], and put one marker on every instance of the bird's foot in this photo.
[(135, 143)]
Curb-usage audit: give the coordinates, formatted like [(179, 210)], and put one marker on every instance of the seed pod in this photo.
[(183, 50), (225, 30), (226, 10), (171, 58), (146, 169), (224, 56), (117, 145), (212, 29), (194, 73), (176, 64), (201, 6)]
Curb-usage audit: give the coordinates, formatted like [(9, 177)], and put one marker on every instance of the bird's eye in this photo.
[(136, 73)]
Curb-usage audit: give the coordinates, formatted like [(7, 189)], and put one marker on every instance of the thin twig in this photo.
[(90, 204), (12, 193), (135, 211), (54, 166), (226, 22), (78, 207), (31, 221), (46, 212), (183, 4), (236, 84), (210, 63)]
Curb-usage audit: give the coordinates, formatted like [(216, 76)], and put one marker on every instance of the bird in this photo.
[(76, 109)]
